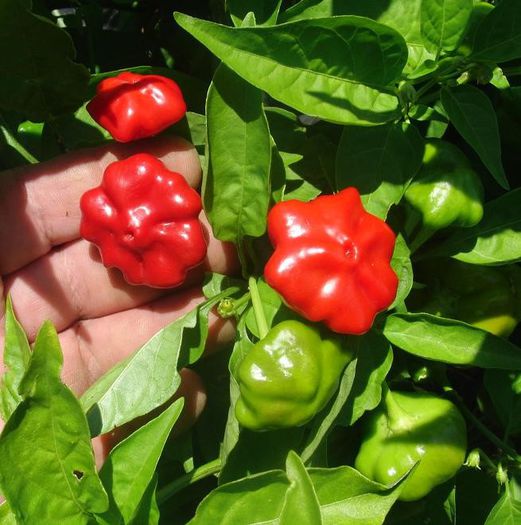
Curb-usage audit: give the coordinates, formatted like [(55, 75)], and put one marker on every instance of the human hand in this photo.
[(51, 273)]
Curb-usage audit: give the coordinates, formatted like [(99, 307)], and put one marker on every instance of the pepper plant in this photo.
[(362, 157)]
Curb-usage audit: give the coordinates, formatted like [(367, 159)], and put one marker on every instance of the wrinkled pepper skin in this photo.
[(288, 377), (422, 429), (332, 260), (447, 191), (144, 220), (484, 296), (132, 106)]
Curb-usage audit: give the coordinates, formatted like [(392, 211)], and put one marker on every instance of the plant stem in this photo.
[(482, 428), (18, 146), (487, 460), (242, 300), (208, 469), (422, 237), (260, 317), (429, 84)]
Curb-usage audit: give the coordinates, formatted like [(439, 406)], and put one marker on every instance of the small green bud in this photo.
[(226, 308), (473, 459)]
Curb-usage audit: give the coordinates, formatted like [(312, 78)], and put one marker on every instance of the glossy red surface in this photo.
[(132, 106), (144, 220), (332, 260)]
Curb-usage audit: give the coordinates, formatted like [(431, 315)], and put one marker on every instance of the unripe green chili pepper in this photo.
[(484, 296), (446, 191), (288, 376), (411, 428)]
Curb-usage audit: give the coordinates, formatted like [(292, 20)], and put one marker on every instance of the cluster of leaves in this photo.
[(287, 100)]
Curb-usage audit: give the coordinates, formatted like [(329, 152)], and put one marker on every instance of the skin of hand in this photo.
[(53, 274)]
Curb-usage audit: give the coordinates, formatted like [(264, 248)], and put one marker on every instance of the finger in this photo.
[(194, 394), (39, 205), (92, 347), (71, 284)]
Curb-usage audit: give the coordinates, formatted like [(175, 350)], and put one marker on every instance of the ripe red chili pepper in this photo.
[(144, 220), (332, 260), (132, 106)]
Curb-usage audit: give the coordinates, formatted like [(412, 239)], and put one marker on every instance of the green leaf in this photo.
[(20, 142), (435, 509), (129, 469), (271, 448), (373, 362), (346, 497), (301, 502), (6, 515), (192, 128), (313, 9), (504, 389), (207, 433), (402, 15), (476, 494), (266, 11), (17, 354), (148, 510), (39, 78), (307, 160), (47, 472), (380, 162), (507, 511), (402, 266), (443, 23), (450, 341), (149, 377), (310, 65), (216, 283), (254, 499), (495, 240), (325, 421), (74, 131), (360, 390), (232, 430), (236, 187), (473, 115), (498, 36)]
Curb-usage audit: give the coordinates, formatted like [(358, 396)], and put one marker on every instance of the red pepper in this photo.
[(144, 220), (132, 106), (332, 260)]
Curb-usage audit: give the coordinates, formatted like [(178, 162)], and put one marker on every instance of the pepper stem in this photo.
[(422, 237), (395, 413), (256, 301)]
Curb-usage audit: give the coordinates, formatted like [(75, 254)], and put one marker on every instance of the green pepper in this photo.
[(446, 191), (288, 376), (484, 296), (408, 429)]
